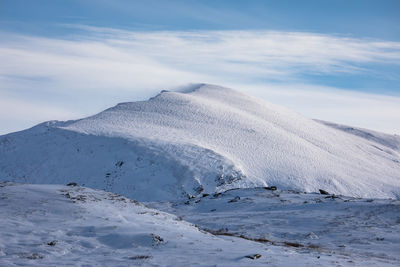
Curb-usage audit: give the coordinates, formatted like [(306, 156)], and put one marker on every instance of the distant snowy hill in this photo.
[(202, 140), (387, 140)]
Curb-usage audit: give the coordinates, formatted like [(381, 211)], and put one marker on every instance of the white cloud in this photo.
[(17, 114), (107, 65), (363, 110)]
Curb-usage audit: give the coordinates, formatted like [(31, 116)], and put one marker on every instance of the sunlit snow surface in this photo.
[(350, 227), (51, 225), (204, 139)]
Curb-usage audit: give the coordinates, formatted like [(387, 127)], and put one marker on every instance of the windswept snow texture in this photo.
[(201, 140), (391, 141), (360, 228), (52, 225)]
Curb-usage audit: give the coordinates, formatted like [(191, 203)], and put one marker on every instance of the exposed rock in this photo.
[(33, 256), (236, 199), (140, 257), (272, 188), (323, 192), (119, 163), (253, 257), (52, 243), (157, 240)]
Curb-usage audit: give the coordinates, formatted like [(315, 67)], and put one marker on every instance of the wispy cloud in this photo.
[(107, 65), (18, 113), (379, 112)]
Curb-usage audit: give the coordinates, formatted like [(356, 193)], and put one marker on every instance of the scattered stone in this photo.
[(216, 195), (199, 189), (157, 240), (333, 196), (34, 256), (323, 192), (272, 188), (140, 257), (236, 199), (134, 202), (52, 243), (80, 198), (119, 163), (205, 195), (253, 257), (292, 244), (72, 184)]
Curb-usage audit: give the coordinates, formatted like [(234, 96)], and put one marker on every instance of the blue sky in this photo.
[(360, 18), (332, 59)]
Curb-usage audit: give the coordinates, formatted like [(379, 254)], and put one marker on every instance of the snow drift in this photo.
[(54, 225), (201, 140)]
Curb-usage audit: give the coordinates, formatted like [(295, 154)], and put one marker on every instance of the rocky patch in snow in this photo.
[(52, 225)]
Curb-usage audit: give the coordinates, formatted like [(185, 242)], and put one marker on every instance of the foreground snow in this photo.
[(203, 140), (51, 225), (363, 229)]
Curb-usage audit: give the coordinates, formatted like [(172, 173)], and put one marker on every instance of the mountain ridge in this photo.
[(202, 139)]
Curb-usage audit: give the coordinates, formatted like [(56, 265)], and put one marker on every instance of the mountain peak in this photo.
[(200, 89), (202, 139)]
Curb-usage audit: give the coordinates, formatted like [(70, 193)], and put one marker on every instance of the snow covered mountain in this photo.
[(200, 140)]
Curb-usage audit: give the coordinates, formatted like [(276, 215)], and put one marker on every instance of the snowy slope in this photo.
[(391, 141), (366, 229), (201, 140), (50, 225)]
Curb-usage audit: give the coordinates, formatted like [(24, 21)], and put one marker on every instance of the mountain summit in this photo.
[(203, 139)]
